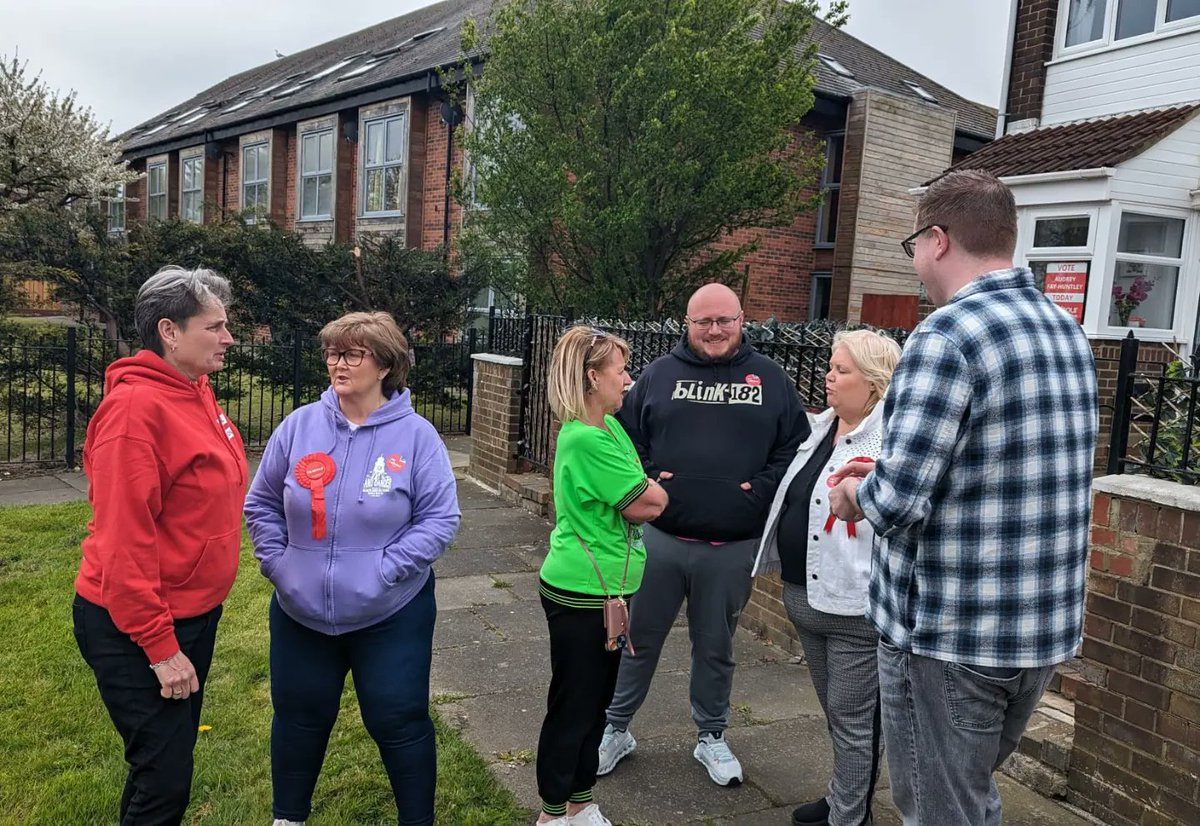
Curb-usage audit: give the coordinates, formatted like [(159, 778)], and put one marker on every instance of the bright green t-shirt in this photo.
[(596, 474)]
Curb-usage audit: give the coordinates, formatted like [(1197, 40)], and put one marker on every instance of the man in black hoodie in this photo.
[(716, 423)]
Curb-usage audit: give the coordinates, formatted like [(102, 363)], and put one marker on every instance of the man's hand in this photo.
[(843, 500), (856, 469), (664, 474), (746, 486)]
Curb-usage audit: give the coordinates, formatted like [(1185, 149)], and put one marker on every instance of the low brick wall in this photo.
[(495, 417), (1136, 756)]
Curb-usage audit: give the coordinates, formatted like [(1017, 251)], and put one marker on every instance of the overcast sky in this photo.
[(132, 59)]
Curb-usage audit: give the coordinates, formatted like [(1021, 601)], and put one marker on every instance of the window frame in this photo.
[(1107, 41), (302, 176), (263, 180), (116, 206), (164, 179), (828, 187), (196, 190), (814, 277), (365, 167), (1029, 255), (1115, 257)]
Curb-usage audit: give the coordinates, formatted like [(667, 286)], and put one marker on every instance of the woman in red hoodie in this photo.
[(167, 474)]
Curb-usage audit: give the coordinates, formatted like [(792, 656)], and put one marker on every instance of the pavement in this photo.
[(491, 672)]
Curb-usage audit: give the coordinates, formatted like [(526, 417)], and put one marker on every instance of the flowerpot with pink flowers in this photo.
[(1126, 300)]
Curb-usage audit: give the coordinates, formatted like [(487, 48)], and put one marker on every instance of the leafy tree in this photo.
[(52, 151), (615, 140)]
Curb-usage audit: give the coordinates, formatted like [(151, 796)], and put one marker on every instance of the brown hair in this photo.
[(379, 333), (976, 209), (580, 349)]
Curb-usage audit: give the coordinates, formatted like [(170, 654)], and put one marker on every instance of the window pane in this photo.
[(264, 163), (833, 159), (1135, 17), (395, 139), (262, 199), (828, 218), (374, 190), (326, 141), (308, 201), (375, 135), (1143, 295), (187, 175), (1181, 9), (1085, 21), (818, 302), (1061, 232), (324, 194), (1150, 235), (249, 163), (391, 189), (308, 154)]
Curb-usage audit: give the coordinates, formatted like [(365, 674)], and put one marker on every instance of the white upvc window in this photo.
[(316, 175), (256, 177), (191, 189), (1088, 25), (1147, 264), (156, 191), (116, 210), (1058, 246), (385, 147)]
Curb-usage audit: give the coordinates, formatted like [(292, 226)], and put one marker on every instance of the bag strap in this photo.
[(628, 554)]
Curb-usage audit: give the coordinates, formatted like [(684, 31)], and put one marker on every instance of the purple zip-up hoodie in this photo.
[(391, 510)]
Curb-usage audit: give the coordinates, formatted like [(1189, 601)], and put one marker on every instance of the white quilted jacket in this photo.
[(839, 566)]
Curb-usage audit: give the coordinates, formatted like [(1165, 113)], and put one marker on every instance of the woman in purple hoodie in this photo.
[(353, 502)]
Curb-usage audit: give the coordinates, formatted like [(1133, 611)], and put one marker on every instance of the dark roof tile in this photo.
[(1090, 144)]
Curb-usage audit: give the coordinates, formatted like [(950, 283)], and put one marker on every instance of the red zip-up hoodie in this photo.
[(167, 472)]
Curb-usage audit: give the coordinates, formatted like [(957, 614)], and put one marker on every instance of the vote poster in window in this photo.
[(1066, 285)]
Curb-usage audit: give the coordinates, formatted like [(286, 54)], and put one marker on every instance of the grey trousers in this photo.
[(948, 727), (841, 654), (715, 580)]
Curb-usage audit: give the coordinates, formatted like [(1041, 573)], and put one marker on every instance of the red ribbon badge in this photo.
[(315, 471), (851, 531)]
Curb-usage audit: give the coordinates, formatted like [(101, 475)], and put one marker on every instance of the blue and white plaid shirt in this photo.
[(982, 495)]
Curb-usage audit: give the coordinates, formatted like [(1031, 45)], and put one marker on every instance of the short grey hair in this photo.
[(177, 294)]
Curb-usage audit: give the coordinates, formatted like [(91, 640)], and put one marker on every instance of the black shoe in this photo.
[(815, 813)]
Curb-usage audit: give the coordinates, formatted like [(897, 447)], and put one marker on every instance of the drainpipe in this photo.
[(1002, 113), (452, 115)]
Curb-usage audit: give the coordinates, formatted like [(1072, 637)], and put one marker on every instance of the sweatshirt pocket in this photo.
[(358, 587), (709, 507), (299, 579), (216, 566)]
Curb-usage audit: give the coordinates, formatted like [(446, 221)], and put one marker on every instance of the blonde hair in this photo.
[(874, 354), (580, 349), (379, 333)]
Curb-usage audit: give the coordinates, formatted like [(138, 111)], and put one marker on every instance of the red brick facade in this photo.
[(1033, 45)]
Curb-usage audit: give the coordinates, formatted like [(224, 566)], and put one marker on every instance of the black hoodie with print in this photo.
[(714, 425)]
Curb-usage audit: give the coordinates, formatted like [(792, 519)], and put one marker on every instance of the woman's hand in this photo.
[(176, 677)]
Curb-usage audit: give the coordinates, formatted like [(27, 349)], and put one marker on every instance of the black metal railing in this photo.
[(1155, 429), (802, 350), (52, 382)]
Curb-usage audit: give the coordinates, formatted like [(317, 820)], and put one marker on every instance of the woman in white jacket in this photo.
[(825, 566)]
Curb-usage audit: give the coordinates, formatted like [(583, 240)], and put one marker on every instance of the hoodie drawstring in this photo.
[(370, 453)]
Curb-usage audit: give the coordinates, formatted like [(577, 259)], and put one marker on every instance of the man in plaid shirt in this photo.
[(981, 499)]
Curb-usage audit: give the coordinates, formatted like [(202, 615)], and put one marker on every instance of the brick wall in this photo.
[(1033, 45), (1136, 753), (135, 195), (495, 415), (434, 207)]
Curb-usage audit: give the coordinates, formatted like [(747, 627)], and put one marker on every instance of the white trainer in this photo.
[(279, 821), (714, 754), (589, 816), (615, 746), (558, 821)]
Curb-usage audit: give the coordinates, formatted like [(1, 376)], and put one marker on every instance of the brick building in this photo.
[(351, 137)]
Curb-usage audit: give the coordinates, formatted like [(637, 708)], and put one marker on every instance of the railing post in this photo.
[(471, 336), (71, 400), (1119, 436), (491, 333), (526, 375), (297, 354)]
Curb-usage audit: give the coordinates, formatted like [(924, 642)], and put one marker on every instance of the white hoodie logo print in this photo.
[(378, 482)]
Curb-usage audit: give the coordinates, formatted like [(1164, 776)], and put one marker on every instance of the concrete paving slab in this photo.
[(524, 587), (488, 669), (516, 529), (472, 497), (459, 627), (30, 484), (53, 496), (466, 591), (515, 621), (459, 562), (75, 479), (516, 729)]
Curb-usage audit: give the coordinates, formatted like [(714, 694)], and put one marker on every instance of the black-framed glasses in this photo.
[(724, 322), (353, 357), (909, 243)]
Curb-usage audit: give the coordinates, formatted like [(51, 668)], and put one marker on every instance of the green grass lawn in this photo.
[(60, 758)]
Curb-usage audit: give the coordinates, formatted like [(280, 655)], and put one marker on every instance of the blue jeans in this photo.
[(947, 727), (390, 662)]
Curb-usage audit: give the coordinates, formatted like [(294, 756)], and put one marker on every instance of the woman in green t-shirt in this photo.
[(601, 496)]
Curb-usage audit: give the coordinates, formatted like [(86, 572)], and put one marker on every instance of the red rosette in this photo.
[(851, 531), (315, 471)]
